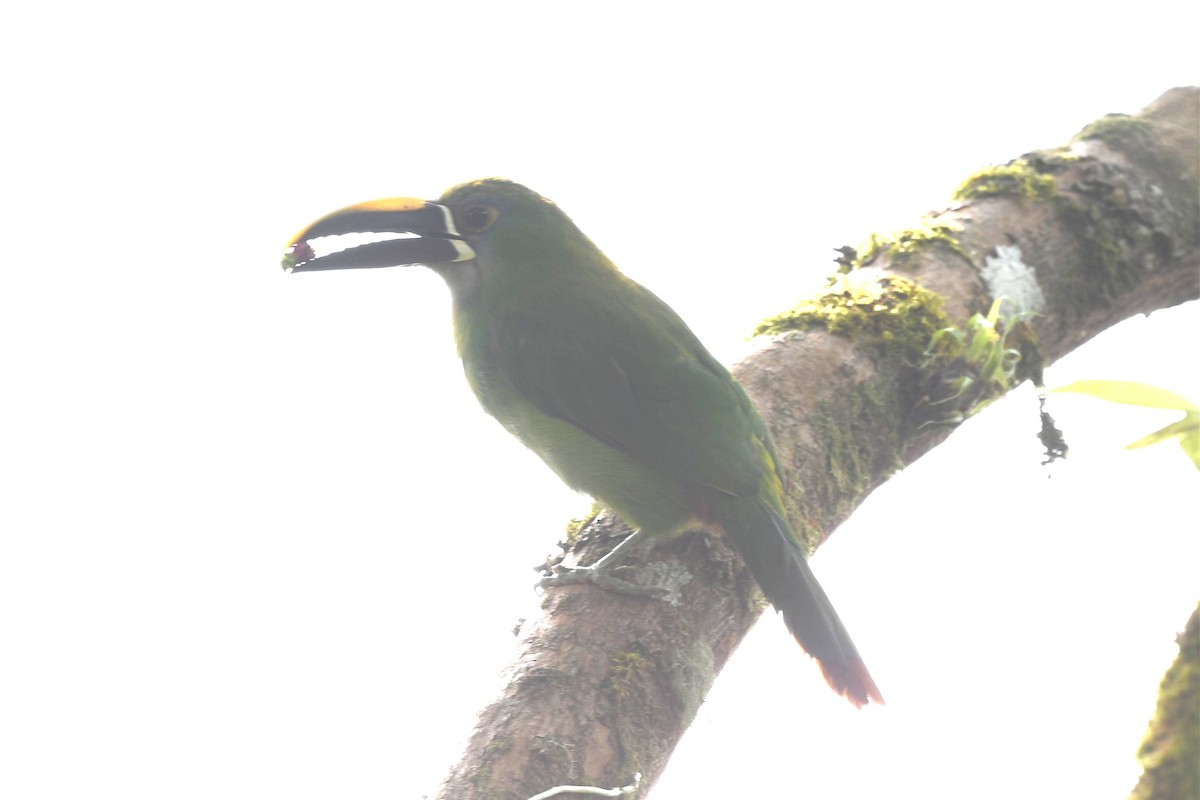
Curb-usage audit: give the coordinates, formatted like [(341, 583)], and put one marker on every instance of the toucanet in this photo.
[(604, 381)]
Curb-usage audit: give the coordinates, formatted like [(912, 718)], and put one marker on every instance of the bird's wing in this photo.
[(635, 377)]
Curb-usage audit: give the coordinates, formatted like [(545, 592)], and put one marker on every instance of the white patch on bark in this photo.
[(1010, 278)]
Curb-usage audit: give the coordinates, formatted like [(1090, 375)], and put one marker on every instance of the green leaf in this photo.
[(1130, 393), (1186, 430), (1191, 445)]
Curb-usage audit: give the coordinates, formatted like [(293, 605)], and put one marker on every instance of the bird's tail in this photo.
[(766, 544)]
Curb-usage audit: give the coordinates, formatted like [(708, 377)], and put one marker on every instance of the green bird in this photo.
[(604, 381)]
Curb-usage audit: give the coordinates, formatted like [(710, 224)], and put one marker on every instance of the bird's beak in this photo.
[(432, 237)]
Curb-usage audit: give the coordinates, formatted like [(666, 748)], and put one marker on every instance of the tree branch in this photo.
[(1168, 755), (1105, 228)]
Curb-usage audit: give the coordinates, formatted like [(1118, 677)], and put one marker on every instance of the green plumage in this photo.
[(610, 387)]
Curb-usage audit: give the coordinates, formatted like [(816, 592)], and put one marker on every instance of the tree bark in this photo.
[(604, 684)]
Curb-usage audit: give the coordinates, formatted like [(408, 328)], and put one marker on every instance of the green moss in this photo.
[(627, 674), (498, 746), (1121, 132), (1017, 178), (576, 525), (1105, 236), (857, 442), (903, 245), (1050, 162), (1168, 752), (893, 317), (938, 372), (894, 320)]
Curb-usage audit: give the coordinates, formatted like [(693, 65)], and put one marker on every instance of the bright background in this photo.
[(256, 538)]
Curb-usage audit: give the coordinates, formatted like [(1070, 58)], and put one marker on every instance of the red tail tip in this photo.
[(852, 681)]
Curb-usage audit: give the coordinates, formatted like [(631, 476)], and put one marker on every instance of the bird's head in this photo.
[(473, 231)]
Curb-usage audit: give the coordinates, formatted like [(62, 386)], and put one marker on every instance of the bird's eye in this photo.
[(478, 218)]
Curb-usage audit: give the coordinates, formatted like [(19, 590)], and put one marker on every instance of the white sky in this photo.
[(256, 538)]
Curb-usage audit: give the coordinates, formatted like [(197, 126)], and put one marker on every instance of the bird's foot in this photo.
[(602, 573), (657, 579), (602, 577)]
